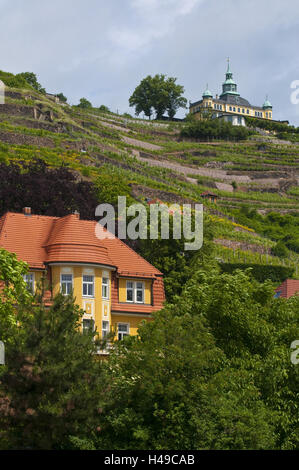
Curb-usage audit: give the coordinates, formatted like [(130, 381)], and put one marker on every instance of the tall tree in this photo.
[(31, 78), (51, 387), (159, 94), (142, 98), (175, 98), (84, 104), (62, 98), (212, 371), (13, 290)]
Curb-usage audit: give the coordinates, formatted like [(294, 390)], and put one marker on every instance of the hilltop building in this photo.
[(230, 106), (115, 287)]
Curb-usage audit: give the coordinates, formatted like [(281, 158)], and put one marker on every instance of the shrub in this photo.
[(280, 250), (214, 129), (104, 109), (84, 104), (13, 81)]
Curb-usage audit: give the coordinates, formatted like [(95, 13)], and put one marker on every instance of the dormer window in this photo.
[(139, 292), (135, 292)]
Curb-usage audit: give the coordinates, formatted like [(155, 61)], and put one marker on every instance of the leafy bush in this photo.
[(84, 104), (62, 98), (31, 78), (260, 272), (214, 129), (13, 81), (280, 250), (104, 109), (283, 130)]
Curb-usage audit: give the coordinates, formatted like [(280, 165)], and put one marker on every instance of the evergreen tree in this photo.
[(51, 387)]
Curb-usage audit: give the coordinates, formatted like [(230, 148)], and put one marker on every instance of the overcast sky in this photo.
[(101, 49)]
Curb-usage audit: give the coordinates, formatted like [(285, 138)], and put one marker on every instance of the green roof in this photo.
[(229, 81), (207, 93), (267, 103)]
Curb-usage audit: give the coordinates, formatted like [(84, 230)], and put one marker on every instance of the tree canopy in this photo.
[(31, 78), (213, 129), (54, 192), (62, 98), (158, 94), (212, 371), (84, 104), (51, 385)]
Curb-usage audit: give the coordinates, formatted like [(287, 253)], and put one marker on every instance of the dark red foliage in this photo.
[(52, 192)]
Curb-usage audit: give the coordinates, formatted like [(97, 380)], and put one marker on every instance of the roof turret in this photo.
[(207, 93)]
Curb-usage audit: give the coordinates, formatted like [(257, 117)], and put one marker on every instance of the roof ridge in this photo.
[(31, 215)]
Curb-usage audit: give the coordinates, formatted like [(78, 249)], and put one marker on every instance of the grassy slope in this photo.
[(264, 172)]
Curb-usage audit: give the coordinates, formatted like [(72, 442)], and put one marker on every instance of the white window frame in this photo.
[(88, 283), (122, 334), (139, 289), (105, 286), (130, 289), (106, 330), (134, 290), (66, 283), (29, 278)]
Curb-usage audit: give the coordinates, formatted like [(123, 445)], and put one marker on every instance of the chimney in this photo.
[(77, 214), (27, 211)]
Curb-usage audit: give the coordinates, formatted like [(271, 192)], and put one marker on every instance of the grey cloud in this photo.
[(102, 49)]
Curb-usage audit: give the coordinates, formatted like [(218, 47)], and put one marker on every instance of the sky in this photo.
[(102, 49)]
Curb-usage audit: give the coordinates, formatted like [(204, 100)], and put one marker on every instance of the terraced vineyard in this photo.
[(252, 179)]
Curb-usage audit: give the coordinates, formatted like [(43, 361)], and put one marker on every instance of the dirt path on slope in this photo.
[(186, 170)]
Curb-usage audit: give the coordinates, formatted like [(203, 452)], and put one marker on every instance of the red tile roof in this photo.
[(288, 288), (41, 240)]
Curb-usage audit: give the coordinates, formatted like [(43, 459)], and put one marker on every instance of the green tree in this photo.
[(175, 98), (84, 104), (170, 257), (142, 98), (110, 184), (62, 98), (212, 371), (13, 290), (31, 78), (104, 109), (159, 94), (280, 250), (51, 387)]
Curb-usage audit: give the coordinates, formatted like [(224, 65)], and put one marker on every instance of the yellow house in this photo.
[(230, 106), (115, 287)]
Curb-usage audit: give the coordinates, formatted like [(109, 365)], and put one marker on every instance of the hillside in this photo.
[(256, 181)]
